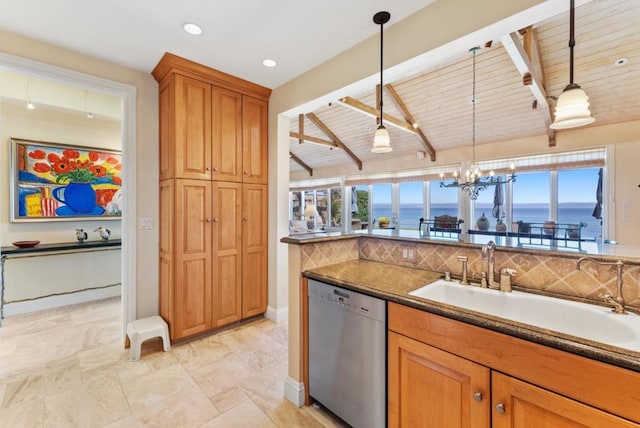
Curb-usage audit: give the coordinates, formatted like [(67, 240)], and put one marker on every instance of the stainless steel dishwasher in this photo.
[(347, 354)]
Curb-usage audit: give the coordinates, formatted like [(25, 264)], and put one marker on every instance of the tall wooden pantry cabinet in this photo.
[(213, 197)]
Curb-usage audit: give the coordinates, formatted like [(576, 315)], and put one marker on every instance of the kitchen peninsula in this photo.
[(389, 266)]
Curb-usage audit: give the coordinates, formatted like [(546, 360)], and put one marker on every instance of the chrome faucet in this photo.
[(488, 254), (616, 301)]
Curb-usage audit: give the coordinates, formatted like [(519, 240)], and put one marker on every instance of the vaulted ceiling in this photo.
[(438, 100)]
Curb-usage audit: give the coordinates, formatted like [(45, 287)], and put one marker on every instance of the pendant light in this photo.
[(473, 181), (572, 108), (381, 140)]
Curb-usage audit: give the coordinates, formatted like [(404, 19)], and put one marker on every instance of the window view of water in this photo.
[(567, 213)]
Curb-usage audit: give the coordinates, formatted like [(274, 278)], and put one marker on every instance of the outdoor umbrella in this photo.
[(597, 210), (354, 201), (498, 202)]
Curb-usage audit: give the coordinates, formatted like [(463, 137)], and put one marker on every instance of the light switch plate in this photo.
[(145, 223)]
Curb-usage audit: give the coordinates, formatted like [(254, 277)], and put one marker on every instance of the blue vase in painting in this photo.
[(78, 197)]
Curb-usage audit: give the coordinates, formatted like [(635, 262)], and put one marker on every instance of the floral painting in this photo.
[(62, 182)]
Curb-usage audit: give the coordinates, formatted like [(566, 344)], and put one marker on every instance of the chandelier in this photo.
[(474, 181)]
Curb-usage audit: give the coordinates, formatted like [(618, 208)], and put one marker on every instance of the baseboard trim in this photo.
[(294, 391), (277, 315), (58, 300)]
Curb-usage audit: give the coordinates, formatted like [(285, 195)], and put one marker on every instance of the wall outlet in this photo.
[(145, 223), (409, 254)]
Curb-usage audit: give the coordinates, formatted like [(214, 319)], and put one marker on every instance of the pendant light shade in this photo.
[(572, 108), (381, 139)]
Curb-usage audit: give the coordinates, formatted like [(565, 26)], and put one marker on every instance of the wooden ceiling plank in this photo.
[(299, 161), (516, 51), (374, 112), (313, 139), (325, 129), (411, 120)]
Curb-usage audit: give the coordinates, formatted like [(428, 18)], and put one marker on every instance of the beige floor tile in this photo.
[(245, 415), (148, 389), (84, 407), (188, 408), (3, 388), (288, 415), (326, 420), (229, 399), (24, 415)]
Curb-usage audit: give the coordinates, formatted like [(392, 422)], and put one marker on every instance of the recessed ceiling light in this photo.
[(269, 63), (192, 28), (620, 61)]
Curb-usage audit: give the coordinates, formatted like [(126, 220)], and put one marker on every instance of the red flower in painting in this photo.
[(37, 154), (61, 166), (98, 170), (76, 166), (42, 167), (71, 154)]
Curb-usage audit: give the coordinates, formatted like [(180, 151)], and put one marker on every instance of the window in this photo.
[(532, 198), (336, 207), (483, 206), (577, 198), (411, 204), (295, 205), (323, 208), (443, 200), (381, 201)]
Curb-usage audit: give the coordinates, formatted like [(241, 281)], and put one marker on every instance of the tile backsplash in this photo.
[(551, 274)]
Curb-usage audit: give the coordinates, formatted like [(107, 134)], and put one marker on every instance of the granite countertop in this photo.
[(393, 283)]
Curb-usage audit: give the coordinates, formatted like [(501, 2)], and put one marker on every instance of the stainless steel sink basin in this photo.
[(591, 322)]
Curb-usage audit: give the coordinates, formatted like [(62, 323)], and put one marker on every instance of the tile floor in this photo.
[(67, 367)]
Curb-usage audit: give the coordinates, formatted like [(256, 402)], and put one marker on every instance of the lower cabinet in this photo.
[(445, 373), (428, 387), (213, 254)]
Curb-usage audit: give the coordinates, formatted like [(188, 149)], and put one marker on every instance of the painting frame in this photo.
[(64, 182)]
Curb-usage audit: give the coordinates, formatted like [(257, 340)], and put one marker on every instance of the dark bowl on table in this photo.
[(26, 244)]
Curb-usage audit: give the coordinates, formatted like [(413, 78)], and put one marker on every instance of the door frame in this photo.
[(127, 95)]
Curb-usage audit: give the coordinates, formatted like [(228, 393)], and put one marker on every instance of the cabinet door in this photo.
[(254, 249), (432, 388), (522, 405), (192, 145), (227, 253), (166, 229), (254, 140), (226, 135), (192, 311)]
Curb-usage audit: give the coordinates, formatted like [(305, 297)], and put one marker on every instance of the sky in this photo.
[(577, 185)]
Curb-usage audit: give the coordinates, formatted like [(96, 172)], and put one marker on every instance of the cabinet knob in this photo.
[(215, 220), (477, 396), (245, 218), (500, 407), (207, 169), (208, 220), (246, 172), (215, 169)]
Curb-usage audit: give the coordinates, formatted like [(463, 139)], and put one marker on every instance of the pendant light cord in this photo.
[(572, 40), (381, 68), (473, 108)]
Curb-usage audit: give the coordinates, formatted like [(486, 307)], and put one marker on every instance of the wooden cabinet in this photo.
[(213, 197), (254, 250), (436, 365), (518, 404), (428, 387)]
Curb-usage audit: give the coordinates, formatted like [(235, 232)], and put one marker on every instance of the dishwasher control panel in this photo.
[(368, 306)]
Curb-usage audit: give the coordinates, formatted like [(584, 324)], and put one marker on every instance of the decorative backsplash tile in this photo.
[(551, 274), (327, 253)]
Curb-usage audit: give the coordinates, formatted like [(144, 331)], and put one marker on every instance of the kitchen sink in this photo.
[(591, 322)]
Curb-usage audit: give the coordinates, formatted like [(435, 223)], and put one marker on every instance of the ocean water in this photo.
[(567, 213)]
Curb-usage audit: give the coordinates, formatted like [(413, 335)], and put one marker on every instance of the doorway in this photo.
[(127, 96)]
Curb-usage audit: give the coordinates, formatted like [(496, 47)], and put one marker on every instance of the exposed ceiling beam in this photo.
[(325, 129), (530, 76), (313, 139), (300, 126), (297, 160), (411, 120), (374, 112)]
